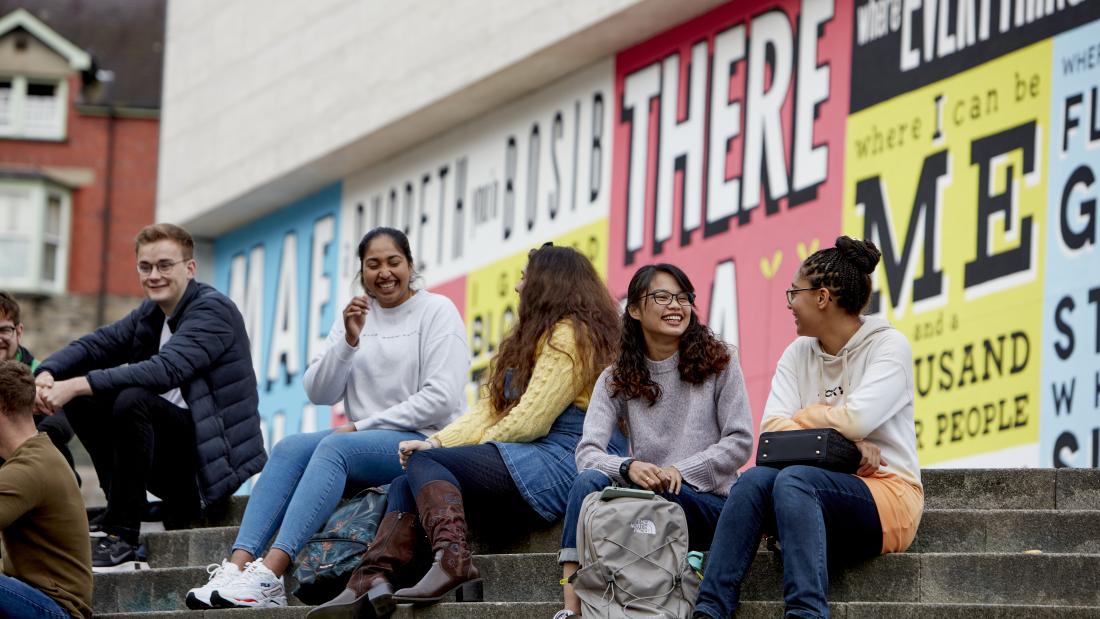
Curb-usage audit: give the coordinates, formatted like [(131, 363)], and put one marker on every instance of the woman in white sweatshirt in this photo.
[(851, 373), (398, 359)]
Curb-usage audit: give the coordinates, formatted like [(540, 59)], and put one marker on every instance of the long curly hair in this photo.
[(559, 283), (702, 355)]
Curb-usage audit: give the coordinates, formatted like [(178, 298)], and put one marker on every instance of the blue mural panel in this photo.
[(1071, 331), (281, 271)]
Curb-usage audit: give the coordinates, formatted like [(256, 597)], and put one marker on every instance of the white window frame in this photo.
[(34, 281), (17, 128)]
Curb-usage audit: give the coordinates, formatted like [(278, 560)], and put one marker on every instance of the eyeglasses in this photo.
[(7, 330), (664, 297), (791, 292), (164, 266)]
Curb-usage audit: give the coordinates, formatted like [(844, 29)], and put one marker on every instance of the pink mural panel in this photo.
[(728, 162)]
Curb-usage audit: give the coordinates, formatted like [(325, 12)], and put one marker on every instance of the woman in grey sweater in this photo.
[(682, 396)]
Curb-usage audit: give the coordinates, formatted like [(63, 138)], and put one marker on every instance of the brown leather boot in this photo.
[(444, 519), (369, 592)]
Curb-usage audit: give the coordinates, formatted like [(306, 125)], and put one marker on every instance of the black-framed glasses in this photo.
[(664, 297), (792, 291), (164, 266), (7, 330)]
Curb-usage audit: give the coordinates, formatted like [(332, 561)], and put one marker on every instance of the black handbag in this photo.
[(825, 448)]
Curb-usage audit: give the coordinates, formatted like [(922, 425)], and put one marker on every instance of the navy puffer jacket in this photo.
[(207, 358)]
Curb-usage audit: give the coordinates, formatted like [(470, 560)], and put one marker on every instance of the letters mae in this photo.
[(282, 337)]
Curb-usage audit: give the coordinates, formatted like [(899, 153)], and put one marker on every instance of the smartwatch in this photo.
[(624, 470)]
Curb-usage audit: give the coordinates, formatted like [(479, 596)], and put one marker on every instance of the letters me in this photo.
[(988, 271)]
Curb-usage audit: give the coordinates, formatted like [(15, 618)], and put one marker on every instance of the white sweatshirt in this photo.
[(866, 389), (408, 372)]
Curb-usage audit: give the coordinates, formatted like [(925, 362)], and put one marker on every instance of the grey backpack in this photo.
[(633, 548)]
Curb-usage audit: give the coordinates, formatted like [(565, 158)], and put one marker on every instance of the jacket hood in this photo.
[(873, 326), (872, 329)]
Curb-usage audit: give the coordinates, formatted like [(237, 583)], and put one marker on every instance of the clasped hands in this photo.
[(50, 396), (655, 478), (405, 449)]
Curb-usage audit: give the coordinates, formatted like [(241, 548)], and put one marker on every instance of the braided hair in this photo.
[(845, 270)]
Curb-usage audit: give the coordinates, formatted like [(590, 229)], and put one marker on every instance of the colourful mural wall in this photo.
[(281, 272), (963, 137)]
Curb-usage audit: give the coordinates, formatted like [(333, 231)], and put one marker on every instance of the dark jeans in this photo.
[(822, 518), (701, 509), (138, 441), (479, 472)]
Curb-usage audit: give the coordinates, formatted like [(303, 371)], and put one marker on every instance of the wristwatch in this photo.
[(624, 469)]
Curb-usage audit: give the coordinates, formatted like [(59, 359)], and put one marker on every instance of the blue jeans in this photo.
[(18, 600), (305, 478), (821, 517), (700, 508)]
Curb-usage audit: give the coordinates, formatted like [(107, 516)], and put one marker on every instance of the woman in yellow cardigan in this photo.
[(512, 454)]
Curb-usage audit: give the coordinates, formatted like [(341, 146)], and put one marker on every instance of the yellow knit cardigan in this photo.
[(555, 384)]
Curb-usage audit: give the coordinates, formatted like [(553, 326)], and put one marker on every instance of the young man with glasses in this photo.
[(164, 400), (56, 426)]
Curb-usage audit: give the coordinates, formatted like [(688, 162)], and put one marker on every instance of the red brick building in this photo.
[(79, 118)]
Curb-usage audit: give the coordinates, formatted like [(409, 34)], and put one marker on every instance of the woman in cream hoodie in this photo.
[(851, 373)]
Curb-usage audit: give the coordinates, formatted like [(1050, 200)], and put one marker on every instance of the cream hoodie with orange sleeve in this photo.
[(865, 392)]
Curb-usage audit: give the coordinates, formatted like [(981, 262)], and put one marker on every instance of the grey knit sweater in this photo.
[(705, 430)]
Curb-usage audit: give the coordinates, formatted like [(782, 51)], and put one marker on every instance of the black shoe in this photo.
[(153, 512), (95, 524), (113, 554)]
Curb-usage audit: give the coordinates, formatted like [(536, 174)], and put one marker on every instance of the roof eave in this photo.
[(77, 58)]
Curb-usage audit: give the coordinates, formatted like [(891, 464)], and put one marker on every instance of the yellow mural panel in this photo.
[(949, 181), (491, 299)]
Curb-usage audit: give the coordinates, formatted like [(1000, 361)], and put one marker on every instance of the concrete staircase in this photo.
[(992, 544)]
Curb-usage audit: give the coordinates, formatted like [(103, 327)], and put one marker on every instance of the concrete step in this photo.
[(191, 547), (1066, 489), (998, 530), (748, 610), (941, 530), (950, 578)]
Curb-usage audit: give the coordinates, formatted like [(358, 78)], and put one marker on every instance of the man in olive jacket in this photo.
[(164, 400)]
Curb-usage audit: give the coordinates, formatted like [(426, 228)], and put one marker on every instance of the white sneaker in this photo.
[(220, 575), (255, 587)]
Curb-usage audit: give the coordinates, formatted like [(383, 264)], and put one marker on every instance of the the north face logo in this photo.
[(644, 527)]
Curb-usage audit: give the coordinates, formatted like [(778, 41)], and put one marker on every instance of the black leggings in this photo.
[(489, 493)]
